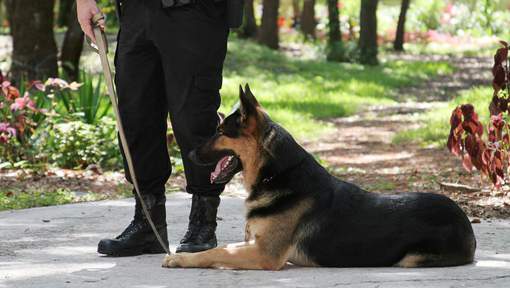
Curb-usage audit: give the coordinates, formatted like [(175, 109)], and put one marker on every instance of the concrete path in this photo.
[(56, 247)]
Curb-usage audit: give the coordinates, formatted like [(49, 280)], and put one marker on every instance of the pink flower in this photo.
[(22, 102), (37, 84), (57, 83), (75, 86), (449, 8), (6, 132)]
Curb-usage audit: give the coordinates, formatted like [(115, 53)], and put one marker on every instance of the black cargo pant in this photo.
[(169, 61)]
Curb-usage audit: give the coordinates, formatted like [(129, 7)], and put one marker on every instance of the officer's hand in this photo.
[(86, 9)]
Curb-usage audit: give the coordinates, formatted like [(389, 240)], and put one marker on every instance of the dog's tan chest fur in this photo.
[(276, 234)]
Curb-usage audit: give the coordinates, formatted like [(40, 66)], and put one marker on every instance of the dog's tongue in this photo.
[(219, 167)]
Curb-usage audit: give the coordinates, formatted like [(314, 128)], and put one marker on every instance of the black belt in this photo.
[(178, 3), (234, 9)]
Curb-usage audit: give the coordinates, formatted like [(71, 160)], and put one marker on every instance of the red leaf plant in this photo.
[(491, 156)]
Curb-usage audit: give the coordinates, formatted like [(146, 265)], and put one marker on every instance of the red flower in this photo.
[(10, 92), (281, 21)]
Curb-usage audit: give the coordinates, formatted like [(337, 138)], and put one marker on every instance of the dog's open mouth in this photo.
[(225, 169)]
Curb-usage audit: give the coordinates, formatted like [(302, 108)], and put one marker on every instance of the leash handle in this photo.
[(95, 25), (102, 49)]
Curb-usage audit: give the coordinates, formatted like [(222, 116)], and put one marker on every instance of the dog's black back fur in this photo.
[(347, 226)]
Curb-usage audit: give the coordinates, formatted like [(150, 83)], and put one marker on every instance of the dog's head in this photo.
[(247, 139)]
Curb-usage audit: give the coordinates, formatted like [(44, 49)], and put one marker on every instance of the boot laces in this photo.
[(132, 228)]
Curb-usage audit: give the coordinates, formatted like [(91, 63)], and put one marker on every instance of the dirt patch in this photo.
[(110, 183)]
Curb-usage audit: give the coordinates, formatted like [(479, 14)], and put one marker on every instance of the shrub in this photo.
[(76, 144)]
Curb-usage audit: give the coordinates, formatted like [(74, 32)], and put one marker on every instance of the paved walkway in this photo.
[(56, 247)]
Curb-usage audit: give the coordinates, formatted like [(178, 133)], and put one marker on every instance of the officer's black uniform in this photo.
[(169, 61)]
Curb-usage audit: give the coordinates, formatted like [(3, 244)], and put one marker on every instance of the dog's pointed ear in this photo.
[(248, 102), (241, 92), (249, 95)]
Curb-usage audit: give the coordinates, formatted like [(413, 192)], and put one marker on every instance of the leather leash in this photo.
[(101, 47)]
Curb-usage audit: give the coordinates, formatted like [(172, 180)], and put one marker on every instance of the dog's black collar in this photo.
[(267, 179), (282, 150)]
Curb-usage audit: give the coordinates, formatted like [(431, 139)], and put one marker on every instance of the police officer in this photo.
[(169, 60)]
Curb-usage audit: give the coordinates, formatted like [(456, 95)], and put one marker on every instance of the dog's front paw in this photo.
[(170, 261)]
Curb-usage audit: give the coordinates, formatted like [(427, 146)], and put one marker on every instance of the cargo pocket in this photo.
[(208, 83)]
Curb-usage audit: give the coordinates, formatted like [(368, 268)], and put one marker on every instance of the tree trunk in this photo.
[(368, 32), (64, 9), (268, 32), (34, 54), (308, 22), (296, 14), (336, 50), (398, 45), (2, 14), (7, 5), (249, 27), (72, 46)]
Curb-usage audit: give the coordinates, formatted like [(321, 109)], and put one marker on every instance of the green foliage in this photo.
[(108, 9), (76, 144), (17, 200), (428, 13), (351, 10), (298, 94), (436, 123), (477, 18), (464, 17), (62, 122), (175, 153), (89, 103), (342, 52)]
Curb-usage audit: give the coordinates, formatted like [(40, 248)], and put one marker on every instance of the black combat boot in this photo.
[(202, 225), (138, 238)]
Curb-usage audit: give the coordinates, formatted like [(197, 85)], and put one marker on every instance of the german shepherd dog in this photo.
[(297, 212)]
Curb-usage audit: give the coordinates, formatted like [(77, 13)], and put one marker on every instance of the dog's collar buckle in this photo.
[(267, 179)]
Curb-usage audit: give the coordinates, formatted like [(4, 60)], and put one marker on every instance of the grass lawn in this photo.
[(299, 93), (478, 49), (436, 123)]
